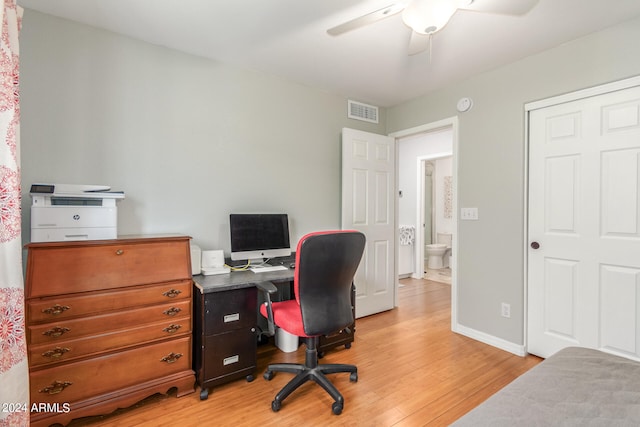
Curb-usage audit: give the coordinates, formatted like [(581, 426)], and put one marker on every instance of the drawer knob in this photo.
[(56, 352), (172, 311), (55, 387), (172, 293), (119, 251), (171, 358), (56, 332), (56, 309), (172, 328)]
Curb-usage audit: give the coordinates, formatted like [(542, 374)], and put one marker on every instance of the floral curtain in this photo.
[(14, 374)]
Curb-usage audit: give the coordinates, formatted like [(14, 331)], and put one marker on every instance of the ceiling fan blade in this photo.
[(367, 19), (418, 43), (502, 7)]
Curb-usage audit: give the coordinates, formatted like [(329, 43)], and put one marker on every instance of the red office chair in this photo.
[(326, 263)]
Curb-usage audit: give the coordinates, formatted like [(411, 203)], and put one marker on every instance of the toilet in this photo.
[(438, 253)]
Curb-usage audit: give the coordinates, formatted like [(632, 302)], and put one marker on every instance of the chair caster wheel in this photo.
[(337, 408), (250, 378), (353, 377), (320, 354), (275, 406), (347, 345), (268, 375)]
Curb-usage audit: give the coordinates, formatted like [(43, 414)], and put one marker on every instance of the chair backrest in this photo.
[(326, 263)]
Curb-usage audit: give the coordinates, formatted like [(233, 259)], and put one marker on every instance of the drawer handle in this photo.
[(231, 318), (172, 293), (56, 309), (119, 251), (56, 332), (172, 311), (172, 328), (171, 358), (56, 352), (56, 387), (230, 360)]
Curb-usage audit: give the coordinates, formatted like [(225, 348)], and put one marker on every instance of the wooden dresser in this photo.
[(108, 324)]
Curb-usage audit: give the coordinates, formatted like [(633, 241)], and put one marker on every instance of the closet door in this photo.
[(584, 225)]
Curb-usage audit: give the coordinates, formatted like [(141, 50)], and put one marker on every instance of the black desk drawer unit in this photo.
[(224, 337)]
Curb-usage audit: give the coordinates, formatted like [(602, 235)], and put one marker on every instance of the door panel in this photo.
[(584, 212), (368, 195)]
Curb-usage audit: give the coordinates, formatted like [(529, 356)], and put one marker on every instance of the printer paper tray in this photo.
[(64, 234)]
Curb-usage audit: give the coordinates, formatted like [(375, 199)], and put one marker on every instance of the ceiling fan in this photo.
[(426, 17)]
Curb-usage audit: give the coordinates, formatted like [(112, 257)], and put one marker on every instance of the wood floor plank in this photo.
[(413, 371)]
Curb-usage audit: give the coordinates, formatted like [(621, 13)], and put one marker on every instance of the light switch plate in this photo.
[(469, 214)]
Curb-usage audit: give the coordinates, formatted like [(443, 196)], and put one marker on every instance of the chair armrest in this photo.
[(268, 288)]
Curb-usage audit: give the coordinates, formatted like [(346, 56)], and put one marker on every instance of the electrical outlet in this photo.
[(506, 310)]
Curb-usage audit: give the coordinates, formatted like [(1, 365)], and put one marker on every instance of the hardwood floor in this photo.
[(413, 371)]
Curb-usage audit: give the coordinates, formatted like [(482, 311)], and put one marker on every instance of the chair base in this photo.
[(310, 371)]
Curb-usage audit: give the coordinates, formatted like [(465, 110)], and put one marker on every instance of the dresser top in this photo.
[(131, 238)]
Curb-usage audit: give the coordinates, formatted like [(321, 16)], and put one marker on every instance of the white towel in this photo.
[(407, 234)]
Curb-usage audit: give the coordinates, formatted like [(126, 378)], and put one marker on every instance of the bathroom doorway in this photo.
[(421, 196)]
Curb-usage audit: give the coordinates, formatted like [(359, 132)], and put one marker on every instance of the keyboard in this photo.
[(257, 269)]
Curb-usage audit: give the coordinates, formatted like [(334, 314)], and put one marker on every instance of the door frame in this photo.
[(450, 122), (535, 105)]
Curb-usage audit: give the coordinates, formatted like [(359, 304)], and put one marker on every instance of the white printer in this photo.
[(62, 212)]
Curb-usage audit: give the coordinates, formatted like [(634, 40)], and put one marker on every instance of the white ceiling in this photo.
[(288, 38)]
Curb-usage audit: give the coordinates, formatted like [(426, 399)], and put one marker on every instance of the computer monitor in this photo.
[(258, 236)]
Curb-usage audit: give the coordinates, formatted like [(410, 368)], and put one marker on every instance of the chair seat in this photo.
[(287, 315)]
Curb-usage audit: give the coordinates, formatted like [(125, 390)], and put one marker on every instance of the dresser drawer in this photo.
[(66, 329), (65, 350), (80, 267), (75, 381), (60, 307)]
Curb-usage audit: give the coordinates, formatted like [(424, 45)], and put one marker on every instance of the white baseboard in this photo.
[(491, 340)]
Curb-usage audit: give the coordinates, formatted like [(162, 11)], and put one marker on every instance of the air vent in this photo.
[(365, 112)]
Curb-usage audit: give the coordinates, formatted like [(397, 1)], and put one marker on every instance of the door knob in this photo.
[(535, 245)]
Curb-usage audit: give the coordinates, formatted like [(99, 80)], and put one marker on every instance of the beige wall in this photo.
[(491, 168), (188, 139)]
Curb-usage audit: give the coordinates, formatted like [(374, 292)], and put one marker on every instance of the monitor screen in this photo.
[(258, 236)]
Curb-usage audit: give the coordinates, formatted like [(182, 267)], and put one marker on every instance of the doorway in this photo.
[(426, 154), (355, 143)]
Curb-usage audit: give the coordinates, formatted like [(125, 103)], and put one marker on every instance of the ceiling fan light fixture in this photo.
[(428, 16)]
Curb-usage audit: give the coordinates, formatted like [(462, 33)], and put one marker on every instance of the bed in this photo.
[(574, 387)]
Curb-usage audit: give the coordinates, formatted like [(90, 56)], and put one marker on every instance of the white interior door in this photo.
[(584, 225), (368, 196)]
